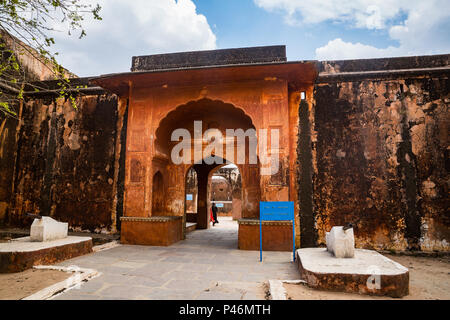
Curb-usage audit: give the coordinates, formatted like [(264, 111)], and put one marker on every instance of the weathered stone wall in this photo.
[(66, 162), (7, 156), (32, 69), (380, 152)]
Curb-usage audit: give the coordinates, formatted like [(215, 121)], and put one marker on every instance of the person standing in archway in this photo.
[(214, 213)]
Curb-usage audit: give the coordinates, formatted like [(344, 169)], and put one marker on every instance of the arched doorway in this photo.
[(212, 115), (197, 120), (208, 184), (200, 192), (226, 191), (216, 116)]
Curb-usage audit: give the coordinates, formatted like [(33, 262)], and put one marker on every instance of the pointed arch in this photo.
[(213, 114)]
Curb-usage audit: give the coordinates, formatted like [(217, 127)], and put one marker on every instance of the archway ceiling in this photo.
[(213, 114)]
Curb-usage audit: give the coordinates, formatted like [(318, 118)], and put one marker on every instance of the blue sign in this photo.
[(219, 205), (189, 197), (276, 211)]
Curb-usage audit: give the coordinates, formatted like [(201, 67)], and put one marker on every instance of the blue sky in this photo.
[(238, 23), (311, 30)]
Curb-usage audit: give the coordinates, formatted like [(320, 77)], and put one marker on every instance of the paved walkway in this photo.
[(207, 265)]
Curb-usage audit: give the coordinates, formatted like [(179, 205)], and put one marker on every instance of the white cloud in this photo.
[(371, 14), (337, 49), (131, 28), (419, 26)]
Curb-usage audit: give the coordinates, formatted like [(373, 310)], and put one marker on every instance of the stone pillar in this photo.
[(138, 182), (202, 204), (121, 109), (251, 192)]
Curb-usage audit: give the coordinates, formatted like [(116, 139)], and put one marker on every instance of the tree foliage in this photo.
[(32, 22)]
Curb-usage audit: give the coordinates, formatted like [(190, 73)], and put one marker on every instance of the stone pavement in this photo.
[(207, 266)]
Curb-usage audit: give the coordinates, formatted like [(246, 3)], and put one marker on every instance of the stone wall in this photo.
[(380, 152), (33, 69), (67, 162)]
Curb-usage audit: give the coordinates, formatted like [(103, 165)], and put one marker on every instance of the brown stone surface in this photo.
[(276, 236), (380, 160), (7, 157), (151, 232), (66, 163), (11, 262)]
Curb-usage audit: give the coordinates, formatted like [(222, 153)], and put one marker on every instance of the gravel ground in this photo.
[(16, 286)]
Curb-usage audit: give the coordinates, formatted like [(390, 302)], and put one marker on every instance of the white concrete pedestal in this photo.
[(341, 243), (48, 229)]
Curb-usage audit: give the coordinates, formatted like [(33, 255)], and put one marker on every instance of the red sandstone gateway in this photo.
[(250, 88)]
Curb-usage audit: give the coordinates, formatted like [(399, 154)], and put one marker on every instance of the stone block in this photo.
[(341, 242), (367, 273), (48, 229), (276, 235), (266, 54)]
